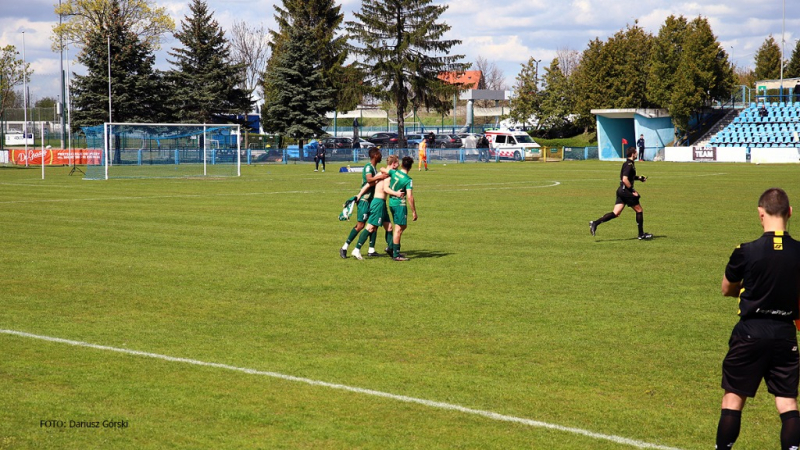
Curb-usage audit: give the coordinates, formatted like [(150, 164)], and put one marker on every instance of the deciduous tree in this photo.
[(81, 18), (12, 72)]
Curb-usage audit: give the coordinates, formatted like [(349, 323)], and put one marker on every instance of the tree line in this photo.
[(392, 52)]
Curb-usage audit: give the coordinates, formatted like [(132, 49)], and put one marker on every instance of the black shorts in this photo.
[(751, 359), (626, 196)]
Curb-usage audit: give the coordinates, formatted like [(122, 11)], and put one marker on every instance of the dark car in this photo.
[(384, 139), (338, 143), (447, 141)]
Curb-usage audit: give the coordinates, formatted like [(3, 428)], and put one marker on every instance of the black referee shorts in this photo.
[(751, 359), (626, 196)]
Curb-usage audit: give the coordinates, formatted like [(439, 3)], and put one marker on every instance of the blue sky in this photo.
[(506, 32)]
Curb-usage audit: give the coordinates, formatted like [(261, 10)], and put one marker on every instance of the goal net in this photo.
[(148, 150)]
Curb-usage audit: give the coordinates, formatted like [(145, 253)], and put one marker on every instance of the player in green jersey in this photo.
[(369, 176), (379, 215), (401, 182)]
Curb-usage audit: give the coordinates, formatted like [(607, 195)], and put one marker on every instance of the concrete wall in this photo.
[(658, 132), (610, 133)]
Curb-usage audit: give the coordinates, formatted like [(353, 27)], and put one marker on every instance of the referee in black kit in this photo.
[(626, 196), (765, 275)]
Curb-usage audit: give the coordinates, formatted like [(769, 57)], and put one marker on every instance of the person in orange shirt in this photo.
[(423, 151)]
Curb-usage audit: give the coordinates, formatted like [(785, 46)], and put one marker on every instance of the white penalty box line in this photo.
[(402, 398)]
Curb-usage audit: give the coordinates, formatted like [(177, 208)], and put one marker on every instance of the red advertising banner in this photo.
[(55, 156)]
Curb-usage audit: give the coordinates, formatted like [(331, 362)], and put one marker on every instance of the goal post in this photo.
[(165, 150)]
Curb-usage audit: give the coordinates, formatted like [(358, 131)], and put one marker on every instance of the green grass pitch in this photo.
[(507, 305)]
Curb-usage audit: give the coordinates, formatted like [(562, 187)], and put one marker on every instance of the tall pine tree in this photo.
[(135, 86), (300, 97), (792, 69), (323, 20), (205, 82), (768, 60), (402, 50)]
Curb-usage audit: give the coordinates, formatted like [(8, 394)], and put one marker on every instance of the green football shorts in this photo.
[(378, 215), (400, 215)]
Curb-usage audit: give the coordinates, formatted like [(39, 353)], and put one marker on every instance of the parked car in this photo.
[(384, 139), (362, 143), (413, 140), (447, 141), (337, 143)]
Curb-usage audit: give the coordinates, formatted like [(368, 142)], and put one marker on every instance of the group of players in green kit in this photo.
[(394, 181)]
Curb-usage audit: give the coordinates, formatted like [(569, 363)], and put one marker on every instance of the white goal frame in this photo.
[(107, 126)]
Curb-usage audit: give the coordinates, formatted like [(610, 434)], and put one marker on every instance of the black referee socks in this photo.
[(790, 431), (730, 422)]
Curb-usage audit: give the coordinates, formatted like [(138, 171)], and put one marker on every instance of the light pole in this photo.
[(62, 103), (25, 98), (783, 45), (536, 75)]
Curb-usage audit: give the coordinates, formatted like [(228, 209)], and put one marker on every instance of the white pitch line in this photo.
[(357, 390)]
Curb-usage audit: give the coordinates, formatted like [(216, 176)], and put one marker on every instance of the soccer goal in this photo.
[(155, 150)]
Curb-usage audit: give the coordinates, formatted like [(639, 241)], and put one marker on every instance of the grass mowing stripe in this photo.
[(402, 398)]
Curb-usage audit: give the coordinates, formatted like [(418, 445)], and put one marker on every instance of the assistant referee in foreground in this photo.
[(765, 275)]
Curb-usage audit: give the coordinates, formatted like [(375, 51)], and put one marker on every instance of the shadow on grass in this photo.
[(426, 254), (655, 236)]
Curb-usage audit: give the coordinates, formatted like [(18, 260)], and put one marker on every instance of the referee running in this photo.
[(626, 196), (765, 275)]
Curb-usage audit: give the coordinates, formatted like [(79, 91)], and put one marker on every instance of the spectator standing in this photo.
[(483, 148), (320, 156), (640, 144)]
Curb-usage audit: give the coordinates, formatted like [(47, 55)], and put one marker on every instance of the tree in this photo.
[(46, 102), (301, 98), (492, 77), (668, 47), (12, 73), (206, 82), (628, 52), (526, 100), (322, 19), (250, 49), (402, 51), (792, 69), (135, 86), (768, 60), (591, 91), (556, 102), (744, 76), (611, 74), (568, 60), (82, 17), (688, 69)]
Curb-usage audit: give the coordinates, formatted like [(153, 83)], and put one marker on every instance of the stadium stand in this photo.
[(760, 125)]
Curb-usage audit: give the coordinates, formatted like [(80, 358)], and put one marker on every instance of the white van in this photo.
[(512, 144)]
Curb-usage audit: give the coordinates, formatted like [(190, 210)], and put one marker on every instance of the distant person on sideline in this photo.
[(765, 276), (626, 196), (640, 145), (320, 156), (423, 150)]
